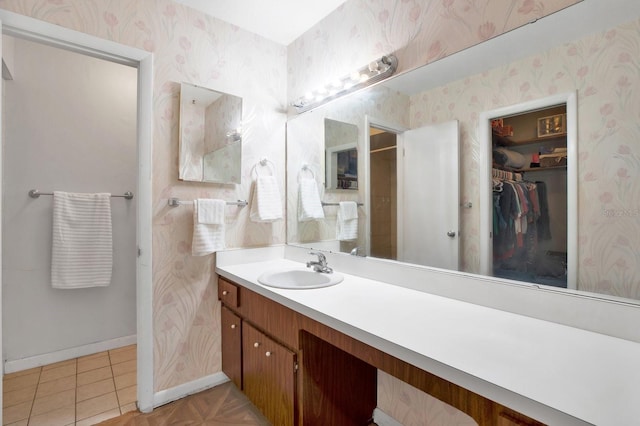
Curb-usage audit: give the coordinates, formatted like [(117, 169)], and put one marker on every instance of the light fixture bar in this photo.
[(372, 73)]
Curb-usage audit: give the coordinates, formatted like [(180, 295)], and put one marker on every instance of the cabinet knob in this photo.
[(256, 344), (233, 326), (225, 292), (267, 353)]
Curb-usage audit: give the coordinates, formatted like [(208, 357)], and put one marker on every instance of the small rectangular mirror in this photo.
[(341, 162), (210, 135)]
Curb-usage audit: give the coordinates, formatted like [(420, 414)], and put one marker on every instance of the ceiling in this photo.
[(281, 21)]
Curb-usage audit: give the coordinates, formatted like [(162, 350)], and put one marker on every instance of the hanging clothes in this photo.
[(544, 226), (516, 212)]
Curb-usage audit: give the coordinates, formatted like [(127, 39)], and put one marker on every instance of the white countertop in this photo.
[(554, 373)]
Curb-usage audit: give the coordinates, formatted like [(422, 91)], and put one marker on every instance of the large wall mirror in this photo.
[(210, 135), (588, 68)]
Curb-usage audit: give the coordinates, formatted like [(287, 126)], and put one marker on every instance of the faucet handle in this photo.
[(321, 257), (321, 264)]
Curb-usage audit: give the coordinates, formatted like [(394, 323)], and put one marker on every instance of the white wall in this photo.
[(8, 45), (70, 126)]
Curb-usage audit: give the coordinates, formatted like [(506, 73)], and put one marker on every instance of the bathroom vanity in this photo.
[(311, 356)]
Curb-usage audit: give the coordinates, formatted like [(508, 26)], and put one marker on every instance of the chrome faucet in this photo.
[(321, 264)]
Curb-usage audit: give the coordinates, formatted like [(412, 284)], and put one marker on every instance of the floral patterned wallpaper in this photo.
[(604, 70), (417, 31), (189, 46)]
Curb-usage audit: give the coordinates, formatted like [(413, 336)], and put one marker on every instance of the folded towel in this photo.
[(347, 223), (210, 212), (509, 158), (82, 249), (208, 227), (266, 204), (309, 205)]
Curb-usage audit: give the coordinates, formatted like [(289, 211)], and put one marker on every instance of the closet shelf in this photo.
[(541, 169), (505, 141)]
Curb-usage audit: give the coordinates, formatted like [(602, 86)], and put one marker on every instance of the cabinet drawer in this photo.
[(228, 293)]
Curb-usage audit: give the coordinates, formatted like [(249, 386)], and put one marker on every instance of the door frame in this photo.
[(43, 32), (486, 215), (387, 126)]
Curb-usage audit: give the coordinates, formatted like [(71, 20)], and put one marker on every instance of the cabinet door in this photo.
[(268, 376), (232, 346)]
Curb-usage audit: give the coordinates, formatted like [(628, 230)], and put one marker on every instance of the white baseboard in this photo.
[(65, 354), (168, 395), (383, 419)]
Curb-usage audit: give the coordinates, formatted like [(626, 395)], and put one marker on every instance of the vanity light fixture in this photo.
[(372, 73)]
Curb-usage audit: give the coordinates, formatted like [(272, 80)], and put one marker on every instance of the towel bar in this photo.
[(35, 193), (337, 204), (175, 202)]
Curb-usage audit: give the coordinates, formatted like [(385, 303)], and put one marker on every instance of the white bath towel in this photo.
[(347, 223), (82, 249), (266, 204), (208, 226), (309, 205)]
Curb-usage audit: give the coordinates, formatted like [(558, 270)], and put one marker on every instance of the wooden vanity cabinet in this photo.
[(269, 372), (264, 369), (228, 294), (293, 377), (335, 382), (231, 325)]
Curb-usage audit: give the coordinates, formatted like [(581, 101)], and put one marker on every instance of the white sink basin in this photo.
[(299, 278)]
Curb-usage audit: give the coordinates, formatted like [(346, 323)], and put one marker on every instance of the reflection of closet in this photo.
[(383, 166), (530, 196)]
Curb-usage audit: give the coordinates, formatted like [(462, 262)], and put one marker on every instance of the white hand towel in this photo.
[(208, 226), (347, 223), (210, 212), (82, 249), (266, 204), (309, 205)]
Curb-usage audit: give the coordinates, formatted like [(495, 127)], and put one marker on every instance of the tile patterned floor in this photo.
[(222, 405), (81, 391)]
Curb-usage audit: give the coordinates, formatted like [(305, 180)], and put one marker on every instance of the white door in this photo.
[(429, 208)]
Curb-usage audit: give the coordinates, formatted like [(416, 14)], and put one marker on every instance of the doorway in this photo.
[(412, 187), (383, 197), (70, 125), (20, 26), (528, 192)]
